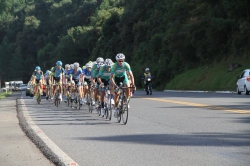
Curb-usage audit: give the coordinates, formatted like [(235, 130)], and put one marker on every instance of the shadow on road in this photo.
[(196, 139)]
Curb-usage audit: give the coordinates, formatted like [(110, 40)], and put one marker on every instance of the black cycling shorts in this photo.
[(105, 82), (118, 80), (57, 79), (37, 81)]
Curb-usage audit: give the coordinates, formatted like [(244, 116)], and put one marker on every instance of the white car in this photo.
[(243, 83)]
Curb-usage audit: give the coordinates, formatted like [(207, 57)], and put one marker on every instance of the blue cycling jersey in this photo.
[(58, 72), (76, 74), (86, 73), (38, 76)]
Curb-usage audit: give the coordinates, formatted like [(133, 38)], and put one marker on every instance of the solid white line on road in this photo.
[(51, 145)]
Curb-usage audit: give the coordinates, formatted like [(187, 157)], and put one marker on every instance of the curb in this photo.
[(189, 91), (49, 149)]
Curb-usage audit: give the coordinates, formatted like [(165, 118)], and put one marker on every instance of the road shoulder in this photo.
[(16, 147)]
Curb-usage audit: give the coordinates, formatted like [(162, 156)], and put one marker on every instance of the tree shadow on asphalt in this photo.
[(195, 139)]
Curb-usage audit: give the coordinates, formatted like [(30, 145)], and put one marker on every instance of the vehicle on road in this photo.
[(21, 87), (148, 87), (30, 90), (243, 82)]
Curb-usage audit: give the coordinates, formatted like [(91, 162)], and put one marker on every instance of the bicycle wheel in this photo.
[(39, 98), (90, 101), (120, 106), (124, 110), (106, 111), (56, 99), (75, 102), (109, 107), (78, 102), (68, 101)]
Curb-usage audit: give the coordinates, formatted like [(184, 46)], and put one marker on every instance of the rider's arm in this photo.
[(132, 78), (112, 79)]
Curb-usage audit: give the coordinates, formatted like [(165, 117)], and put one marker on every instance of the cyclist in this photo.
[(66, 81), (104, 79), (37, 78), (76, 76), (118, 74), (94, 72), (47, 82), (58, 76), (94, 75), (87, 77), (145, 75)]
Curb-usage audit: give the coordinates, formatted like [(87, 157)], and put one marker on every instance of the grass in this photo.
[(211, 77), (4, 95)]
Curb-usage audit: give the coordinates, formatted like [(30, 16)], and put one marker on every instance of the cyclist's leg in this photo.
[(126, 84)]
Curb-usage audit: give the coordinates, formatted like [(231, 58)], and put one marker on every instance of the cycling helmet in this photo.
[(38, 68), (76, 65), (100, 64), (59, 63), (120, 56), (108, 62), (88, 65), (84, 67), (100, 59), (67, 66), (47, 71), (147, 69), (71, 66)]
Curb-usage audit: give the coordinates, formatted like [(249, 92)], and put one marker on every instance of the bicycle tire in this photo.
[(120, 106), (39, 98), (124, 110), (78, 102), (110, 107), (68, 101), (90, 101)]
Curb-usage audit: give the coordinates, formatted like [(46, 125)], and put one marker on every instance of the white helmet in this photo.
[(120, 56), (100, 64), (147, 69), (76, 65), (89, 65), (71, 66), (99, 59), (67, 66), (108, 62)]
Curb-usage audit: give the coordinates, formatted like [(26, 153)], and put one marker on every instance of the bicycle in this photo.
[(77, 98), (122, 105), (107, 103), (57, 94), (48, 92), (39, 98), (98, 102), (89, 98)]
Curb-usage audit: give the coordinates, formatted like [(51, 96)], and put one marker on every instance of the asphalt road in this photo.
[(162, 129)]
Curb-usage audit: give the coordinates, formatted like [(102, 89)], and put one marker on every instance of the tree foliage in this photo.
[(168, 36)]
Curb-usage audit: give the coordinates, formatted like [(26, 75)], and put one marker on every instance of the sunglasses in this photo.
[(120, 61)]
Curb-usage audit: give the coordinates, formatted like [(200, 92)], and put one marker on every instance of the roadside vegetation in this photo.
[(211, 77), (168, 36), (4, 94)]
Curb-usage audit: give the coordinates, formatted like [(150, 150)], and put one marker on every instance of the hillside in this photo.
[(211, 77), (168, 36)]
